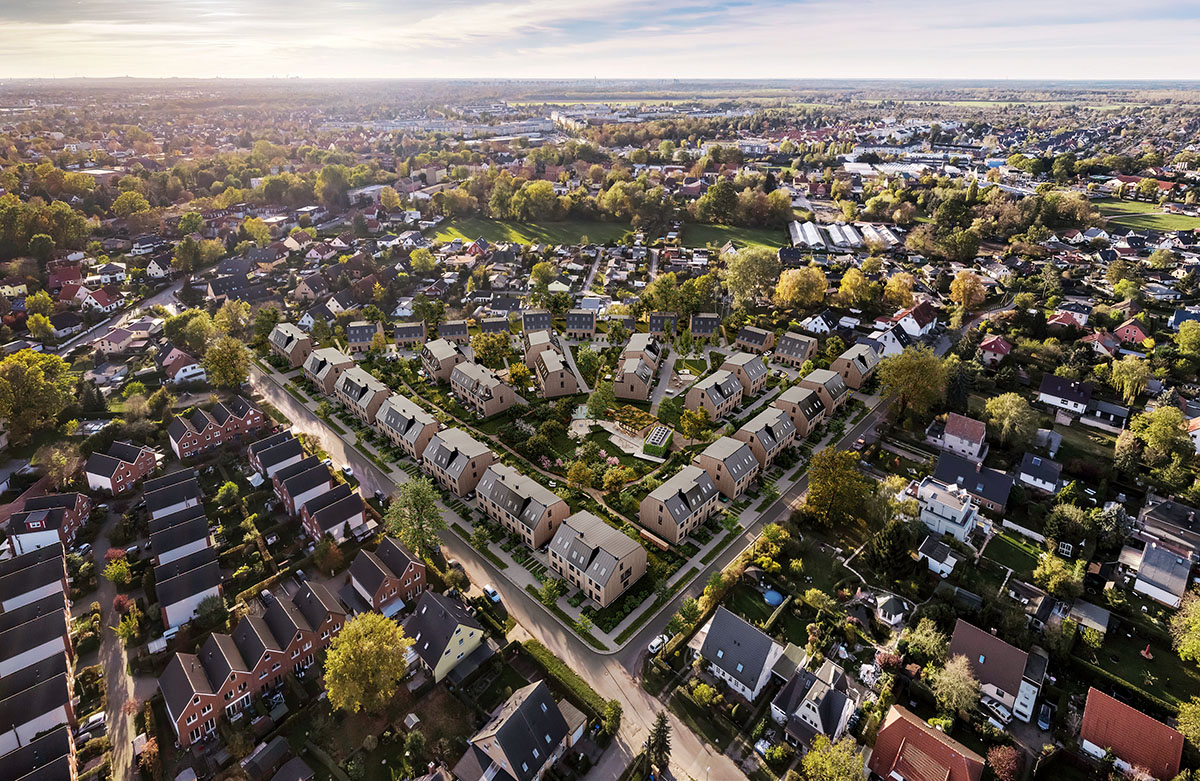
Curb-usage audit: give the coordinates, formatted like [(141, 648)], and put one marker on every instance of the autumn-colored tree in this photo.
[(967, 290), (365, 662)]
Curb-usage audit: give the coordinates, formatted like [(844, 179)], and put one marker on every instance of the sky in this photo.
[(971, 39)]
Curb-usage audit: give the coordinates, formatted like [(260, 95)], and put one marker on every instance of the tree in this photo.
[(1188, 721), (40, 328), (543, 273), (1128, 452), (1188, 338), (588, 362), (955, 686), (519, 375), (855, 288), (191, 330), (227, 495), (750, 274), (192, 222), (62, 461), (1185, 627), (1163, 432), (389, 199), (612, 708), (41, 246), (422, 261), (801, 287), (601, 399), (233, 318), (899, 289), (365, 662), (328, 556), (836, 488), (694, 424), (34, 388), (579, 475), (1005, 762), (211, 612), (118, 573), (1015, 421), (967, 290), (829, 761), (491, 349), (917, 377), (414, 518), (926, 642), (1129, 377), (130, 203), (1061, 579), (227, 362), (40, 303), (658, 742), (1129, 288)]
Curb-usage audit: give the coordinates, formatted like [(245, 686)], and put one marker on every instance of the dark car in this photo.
[(1045, 717)]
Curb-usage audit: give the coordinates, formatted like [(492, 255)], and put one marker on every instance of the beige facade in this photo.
[(856, 366), (633, 380), (830, 386), (647, 347), (717, 394), (554, 377), (601, 561), (439, 358), (767, 433), (362, 394), (456, 460), (534, 343), (730, 464), (289, 342), (480, 389), (323, 367), (803, 406), (521, 504), (750, 371), (678, 506)]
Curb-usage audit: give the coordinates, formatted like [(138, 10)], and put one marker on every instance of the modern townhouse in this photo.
[(34, 700), (439, 358), (456, 460), (360, 393), (207, 429), (181, 585), (646, 347), (324, 366), (35, 632), (480, 389), (634, 379), (302, 482), (946, 509), (705, 325), (717, 394), (794, 349), (601, 561), (581, 324), (360, 335), (33, 576), (750, 371), (730, 464), (409, 335), (455, 331), (230, 670), (554, 377), (536, 320), (856, 365), (271, 459), (768, 433), (520, 504), (663, 324), (803, 406), (683, 502), (405, 425), (290, 343), (830, 386), (534, 343), (754, 340)]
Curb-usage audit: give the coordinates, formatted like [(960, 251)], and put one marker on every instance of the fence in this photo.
[(1030, 533)]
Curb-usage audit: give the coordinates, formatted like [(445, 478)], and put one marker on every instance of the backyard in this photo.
[(702, 235), (1016, 554)]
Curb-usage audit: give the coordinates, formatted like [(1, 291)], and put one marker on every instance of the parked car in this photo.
[(348, 470), (657, 644), (995, 708), (1045, 717), (490, 592)]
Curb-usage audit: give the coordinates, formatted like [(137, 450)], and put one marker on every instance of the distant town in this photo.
[(509, 431)]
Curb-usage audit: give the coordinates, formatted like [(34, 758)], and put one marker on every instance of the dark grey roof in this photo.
[(179, 535), (452, 328), (592, 546), (314, 601), (771, 426), (317, 503), (338, 512), (34, 629), (991, 484), (737, 647), (493, 325), (277, 454), (433, 624), (831, 380), (808, 400), (751, 364), (295, 769), (530, 719), (307, 480), (794, 345), (1066, 389), (753, 335), (53, 501), (581, 320), (33, 558), (522, 497), (705, 323), (451, 450), (28, 573), (361, 331), (934, 549), (34, 691), (171, 496), (1043, 469), (720, 385), (665, 322), (301, 466), (536, 320), (41, 758), (685, 492), (1165, 569), (182, 516), (183, 678), (187, 576), (737, 456), (827, 691), (158, 483), (404, 331), (401, 416), (53, 605)]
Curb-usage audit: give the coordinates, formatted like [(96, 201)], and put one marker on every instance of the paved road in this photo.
[(587, 283), (612, 676), (165, 297)]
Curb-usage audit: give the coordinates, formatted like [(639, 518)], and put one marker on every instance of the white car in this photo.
[(348, 470), (657, 644), (995, 708)]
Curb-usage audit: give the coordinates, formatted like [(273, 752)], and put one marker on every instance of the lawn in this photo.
[(1084, 442), (748, 603), (1166, 676), (1018, 555), (565, 232), (1162, 222), (703, 235), (699, 720), (1111, 206)]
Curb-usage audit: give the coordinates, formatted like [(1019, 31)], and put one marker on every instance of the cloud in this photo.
[(1022, 39)]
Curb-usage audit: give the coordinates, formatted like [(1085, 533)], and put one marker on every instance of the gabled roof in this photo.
[(965, 428), (737, 647), (794, 344), (992, 660), (807, 399), (736, 455), (451, 450), (592, 546), (530, 720), (433, 624), (1132, 735), (520, 496), (685, 492), (1066, 389), (991, 484), (915, 751)]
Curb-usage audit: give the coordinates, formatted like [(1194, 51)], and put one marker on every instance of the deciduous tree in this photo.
[(227, 362), (1013, 419), (955, 686), (414, 518), (365, 662), (836, 488), (34, 388), (1129, 377), (801, 287), (830, 761), (751, 274), (917, 377)]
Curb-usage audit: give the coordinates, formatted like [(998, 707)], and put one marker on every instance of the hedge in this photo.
[(1163, 706), (581, 693)]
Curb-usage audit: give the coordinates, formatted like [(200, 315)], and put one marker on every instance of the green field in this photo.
[(1011, 552), (565, 232), (1111, 206), (1162, 222), (702, 235)]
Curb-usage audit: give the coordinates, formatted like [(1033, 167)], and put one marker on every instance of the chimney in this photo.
[(978, 467)]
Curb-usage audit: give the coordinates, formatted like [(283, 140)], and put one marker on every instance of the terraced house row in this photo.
[(203, 430)]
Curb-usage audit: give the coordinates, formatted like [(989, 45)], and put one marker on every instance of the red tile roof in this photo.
[(965, 428), (918, 752), (996, 344), (1133, 736)]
